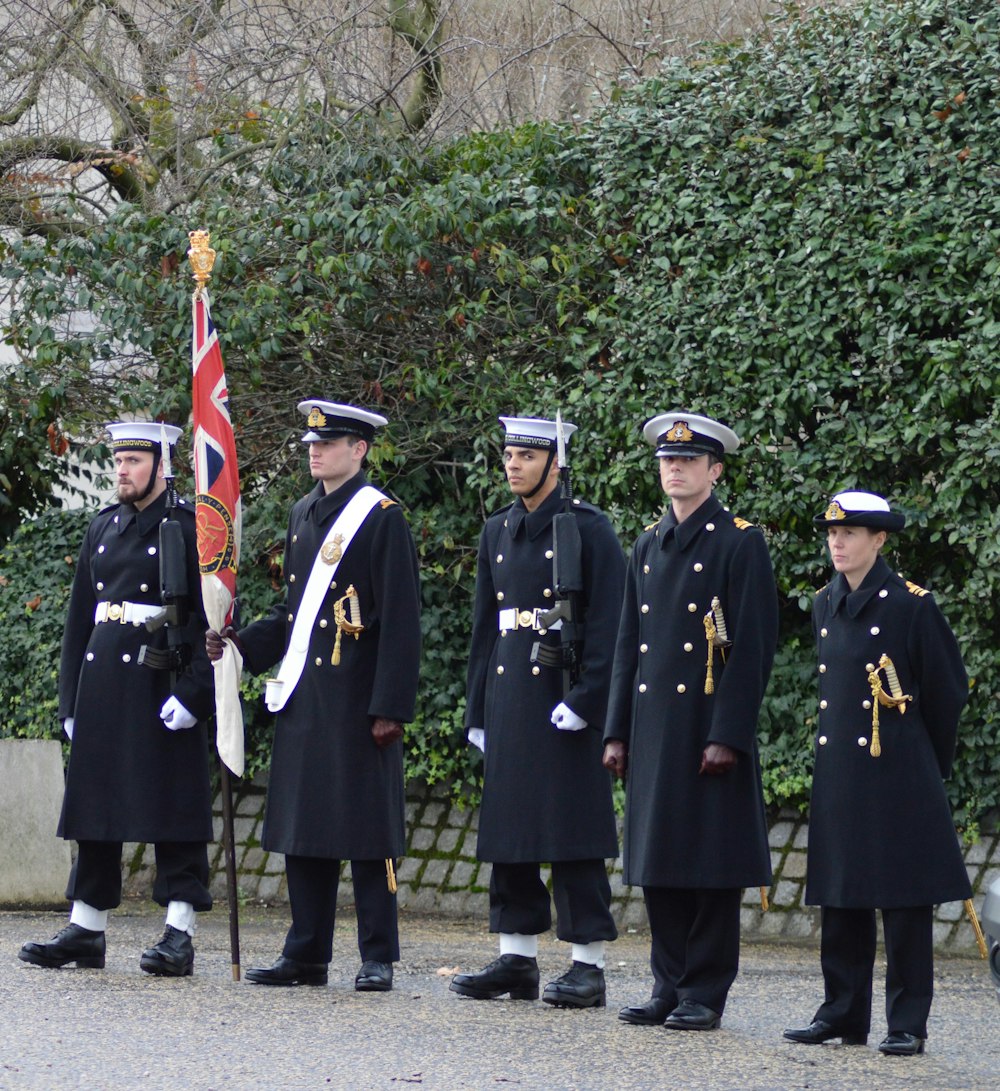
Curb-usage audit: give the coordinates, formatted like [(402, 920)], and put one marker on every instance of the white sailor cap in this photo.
[(330, 420), (688, 435), (534, 432), (141, 435), (860, 509)]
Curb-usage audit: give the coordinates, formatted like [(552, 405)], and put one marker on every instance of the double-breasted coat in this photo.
[(683, 829), (129, 777), (332, 792), (546, 795), (880, 829)]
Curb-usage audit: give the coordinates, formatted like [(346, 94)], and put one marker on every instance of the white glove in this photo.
[(68, 727), (477, 736), (175, 716), (566, 719)]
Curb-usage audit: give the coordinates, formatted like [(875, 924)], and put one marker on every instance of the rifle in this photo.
[(175, 612), (567, 582)]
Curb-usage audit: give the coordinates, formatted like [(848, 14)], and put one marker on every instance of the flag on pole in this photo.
[(217, 505)]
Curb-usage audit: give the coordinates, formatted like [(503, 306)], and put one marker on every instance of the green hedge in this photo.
[(798, 234)]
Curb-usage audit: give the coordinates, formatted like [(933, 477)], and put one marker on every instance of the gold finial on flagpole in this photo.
[(202, 258)]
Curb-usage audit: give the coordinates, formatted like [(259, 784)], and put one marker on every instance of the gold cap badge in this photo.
[(316, 418), (679, 433), (835, 511)]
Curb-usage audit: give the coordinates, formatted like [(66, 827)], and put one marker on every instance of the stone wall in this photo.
[(440, 873)]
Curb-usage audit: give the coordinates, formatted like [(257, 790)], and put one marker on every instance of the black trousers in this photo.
[(519, 900), (181, 874), (695, 943), (312, 895), (847, 955)]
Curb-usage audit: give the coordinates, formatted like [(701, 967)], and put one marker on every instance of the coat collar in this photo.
[(685, 533), (856, 601), (146, 520), (320, 505), (537, 521)]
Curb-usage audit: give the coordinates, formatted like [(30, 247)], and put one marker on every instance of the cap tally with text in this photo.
[(141, 435), (688, 435), (534, 432), (860, 509), (331, 420)]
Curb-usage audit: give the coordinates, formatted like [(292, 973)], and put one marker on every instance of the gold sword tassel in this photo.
[(390, 875), (348, 620), (970, 911), (717, 636)]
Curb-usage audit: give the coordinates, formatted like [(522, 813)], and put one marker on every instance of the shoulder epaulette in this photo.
[(386, 503), (652, 526), (915, 589), (741, 524)]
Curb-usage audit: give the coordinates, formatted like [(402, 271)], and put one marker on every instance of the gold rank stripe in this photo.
[(741, 524), (916, 589)]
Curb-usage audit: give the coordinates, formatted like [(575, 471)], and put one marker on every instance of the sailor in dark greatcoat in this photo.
[(348, 635), (695, 645), (546, 797), (891, 689), (138, 767)]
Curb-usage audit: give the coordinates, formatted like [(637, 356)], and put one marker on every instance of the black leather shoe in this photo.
[(690, 1015), (819, 1032), (173, 956), (514, 974), (288, 971), (650, 1014), (72, 944), (901, 1044), (373, 977), (582, 986)]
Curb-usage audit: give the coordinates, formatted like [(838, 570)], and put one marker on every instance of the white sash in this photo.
[(346, 525)]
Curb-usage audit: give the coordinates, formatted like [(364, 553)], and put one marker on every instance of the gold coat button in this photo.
[(822, 740), (323, 623), (536, 671), (319, 662), (644, 648), (866, 704), (862, 741), (151, 551), (689, 647), (698, 566), (333, 585), (822, 668), (645, 608), (100, 549), (295, 537), (642, 687), (500, 670), (710, 526), (869, 667), (90, 657), (549, 554), (291, 617), (499, 558), (692, 607), (682, 688), (823, 704), (547, 593), (291, 578), (100, 586), (499, 596), (143, 586), (126, 658), (645, 568), (875, 630), (822, 632), (883, 593)]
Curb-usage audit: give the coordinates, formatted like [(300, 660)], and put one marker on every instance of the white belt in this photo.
[(512, 618), (125, 613)]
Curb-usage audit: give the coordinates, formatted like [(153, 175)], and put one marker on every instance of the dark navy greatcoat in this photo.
[(880, 829), (546, 795), (332, 792), (683, 829), (129, 777)]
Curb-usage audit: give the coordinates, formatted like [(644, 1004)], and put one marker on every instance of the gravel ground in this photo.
[(120, 1028)]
